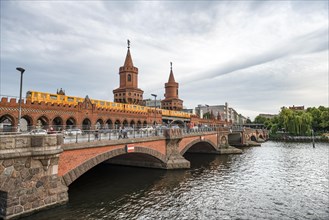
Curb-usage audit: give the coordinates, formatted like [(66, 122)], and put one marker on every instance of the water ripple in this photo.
[(275, 181)]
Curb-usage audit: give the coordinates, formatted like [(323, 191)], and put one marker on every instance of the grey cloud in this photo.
[(309, 43)]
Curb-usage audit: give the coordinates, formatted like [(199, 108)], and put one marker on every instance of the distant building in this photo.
[(269, 116), (297, 108), (220, 112), (150, 103)]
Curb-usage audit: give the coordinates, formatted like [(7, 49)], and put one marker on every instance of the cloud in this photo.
[(218, 49)]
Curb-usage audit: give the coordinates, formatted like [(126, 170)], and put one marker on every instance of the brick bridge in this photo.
[(35, 171)]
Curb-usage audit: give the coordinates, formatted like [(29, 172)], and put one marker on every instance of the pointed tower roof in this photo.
[(128, 61), (171, 76)]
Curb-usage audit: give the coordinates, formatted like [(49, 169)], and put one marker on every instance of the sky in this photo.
[(255, 55)]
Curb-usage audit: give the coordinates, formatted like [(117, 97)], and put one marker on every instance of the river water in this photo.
[(275, 181)]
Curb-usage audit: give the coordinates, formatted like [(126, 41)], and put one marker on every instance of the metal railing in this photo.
[(76, 135)]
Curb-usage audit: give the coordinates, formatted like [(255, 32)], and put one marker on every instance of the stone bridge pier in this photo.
[(28, 174)]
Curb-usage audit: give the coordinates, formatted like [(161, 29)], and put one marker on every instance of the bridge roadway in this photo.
[(36, 170)]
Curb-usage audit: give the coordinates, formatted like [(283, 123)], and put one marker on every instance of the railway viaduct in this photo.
[(36, 170)]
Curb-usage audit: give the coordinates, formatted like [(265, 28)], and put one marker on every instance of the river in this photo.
[(275, 181)]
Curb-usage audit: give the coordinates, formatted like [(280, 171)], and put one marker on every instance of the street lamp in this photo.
[(155, 105), (20, 69)]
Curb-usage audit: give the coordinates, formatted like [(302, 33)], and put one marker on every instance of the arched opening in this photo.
[(125, 123), (86, 124), (138, 160), (26, 123), (109, 124), (57, 123), (144, 124), (223, 140), (200, 147), (261, 136), (43, 122), (7, 123), (70, 123), (139, 124), (129, 77), (178, 123), (99, 124), (253, 138), (117, 124), (132, 124)]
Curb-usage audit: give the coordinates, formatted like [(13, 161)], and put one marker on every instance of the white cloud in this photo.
[(220, 50)]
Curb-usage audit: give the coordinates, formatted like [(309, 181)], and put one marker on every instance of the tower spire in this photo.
[(171, 76), (128, 61)]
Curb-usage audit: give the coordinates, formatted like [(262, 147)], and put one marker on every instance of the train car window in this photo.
[(70, 99), (113, 104), (101, 103), (53, 97), (28, 94)]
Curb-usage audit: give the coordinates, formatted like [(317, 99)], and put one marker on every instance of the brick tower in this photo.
[(171, 101), (128, 92)]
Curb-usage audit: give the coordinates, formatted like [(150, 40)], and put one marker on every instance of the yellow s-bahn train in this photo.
[(35, 96)]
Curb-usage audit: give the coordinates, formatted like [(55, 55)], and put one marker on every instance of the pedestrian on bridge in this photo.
[(120, 132), (125, 132)]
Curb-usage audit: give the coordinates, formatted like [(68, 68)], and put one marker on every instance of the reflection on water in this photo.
[(275, 181)]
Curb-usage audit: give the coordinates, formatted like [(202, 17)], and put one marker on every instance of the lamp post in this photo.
[(155, 106), (20, 69)]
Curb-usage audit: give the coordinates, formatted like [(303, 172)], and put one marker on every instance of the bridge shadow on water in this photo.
[(109, 188)]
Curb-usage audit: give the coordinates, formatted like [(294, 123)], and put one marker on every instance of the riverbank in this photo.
[(288, 138)]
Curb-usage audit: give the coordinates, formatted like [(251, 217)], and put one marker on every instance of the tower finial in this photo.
[(170, 65), (128, 42)]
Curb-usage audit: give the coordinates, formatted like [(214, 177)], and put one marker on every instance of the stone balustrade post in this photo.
[(28, 174), (174, 159)]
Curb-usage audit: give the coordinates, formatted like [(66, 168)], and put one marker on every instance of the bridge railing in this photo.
[(76, 135)]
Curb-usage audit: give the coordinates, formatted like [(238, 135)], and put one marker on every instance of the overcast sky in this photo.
[(257, 56)]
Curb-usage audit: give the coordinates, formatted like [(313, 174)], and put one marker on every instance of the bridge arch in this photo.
[(80, 169), (71, 122), (27, 121), (125, 123), (43, 121), (132, 123), (117, 124), (99, 123), (139, 124), (194, 146), (253, 138), (9, 120), (109, 124), (178, 122), (57, 122), (86, 124)]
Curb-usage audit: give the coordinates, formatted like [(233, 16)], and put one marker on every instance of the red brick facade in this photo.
[(128, 92), (171, 101)]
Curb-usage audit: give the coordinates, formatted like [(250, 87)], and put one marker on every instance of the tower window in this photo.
[(129, 78)]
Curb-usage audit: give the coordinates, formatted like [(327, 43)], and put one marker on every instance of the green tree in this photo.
[(260, 119)]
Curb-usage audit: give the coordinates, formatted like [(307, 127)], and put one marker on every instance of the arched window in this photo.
[(129, 78)]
